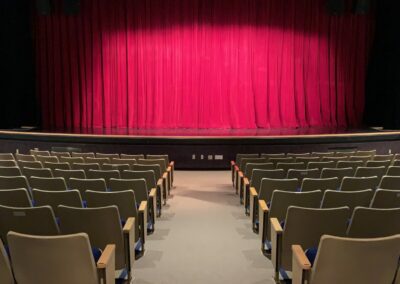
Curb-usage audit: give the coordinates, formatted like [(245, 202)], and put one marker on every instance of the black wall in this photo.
[(17, 69), (383, 79)]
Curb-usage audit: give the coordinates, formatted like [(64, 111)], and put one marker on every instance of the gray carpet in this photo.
[(203, 237)]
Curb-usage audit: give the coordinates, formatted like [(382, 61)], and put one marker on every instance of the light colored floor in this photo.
[(203, 237)]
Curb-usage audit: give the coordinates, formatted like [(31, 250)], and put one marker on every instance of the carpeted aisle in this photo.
[(203, 237)]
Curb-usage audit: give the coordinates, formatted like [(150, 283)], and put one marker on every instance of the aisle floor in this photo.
[(203, 236)]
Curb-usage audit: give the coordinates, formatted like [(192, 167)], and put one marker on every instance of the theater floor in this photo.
[(203, 237)]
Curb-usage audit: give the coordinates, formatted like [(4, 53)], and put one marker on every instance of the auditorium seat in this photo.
[(334, 158), (120, 161), (383, 157), (350, 164), (70, 198), (158, 177), (370, 153), (15, 198), (359, 183), (396, 163), (235, 166), (85, 166), (297, 155), (348, 260), (142, 196), (386, 198), (275, 161), (50, 184), (71, 160), (109, 156), (323, 184), (6, 157), (154, 189), (36, 153), (302, 174), (118, 167), (303, 226), (280, 202), (370, 172), (87, 184), (25, 158), (344, 153), (103, 226), (248, 171), (321, 165), (13, 182), (393, 171), (37, 172), (68, 174), (99, 161), (82, 155), (62, 259), (29, 220), (374, 223), (104, 174), (60, 155), (340, 173), (6, 274), (10, 171), (322, 154), (390, 182), (287, 166), (30, 164), (351, 199), (242, 167), (363, 159), (132, 156), (8, 163), (268, 186), (44, 159), (307, 160), (167, 162), (128, 207), (56, 166), (382, 163)]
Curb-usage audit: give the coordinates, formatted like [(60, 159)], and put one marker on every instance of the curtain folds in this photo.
[(201, 64)]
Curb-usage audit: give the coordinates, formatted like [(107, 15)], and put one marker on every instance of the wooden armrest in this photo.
[(106, 265), (301, 266), (253, 192), (142, 206), (233, 163), (300, 258), (159, 182), (153, 192), (169, 169), (236, 168), (241, 174), (129, 225), (275, 226), (172, 163), (165, 175), (106, 257), (246, 181), (263, 205)]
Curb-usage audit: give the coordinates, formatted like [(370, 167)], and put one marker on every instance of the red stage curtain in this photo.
[(202, 64)]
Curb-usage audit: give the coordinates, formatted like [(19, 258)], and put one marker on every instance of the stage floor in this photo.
[(238, 133)]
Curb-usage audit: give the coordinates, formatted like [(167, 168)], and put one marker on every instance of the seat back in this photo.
[(258, 175), (86, 167), (164, 157), (275, 161), (60, 154), (370, 172), (109, 156), (350, 164), (383, 157), (87, 184), (30, 164), (345, 153), (349, 260), (70, 198), (374, 223), (68, 174), (386, 198), (52, 259), (30, 220), (340, 173), (132, 156), (363, 159), (297, 155), (138, 186), (148, 176), (359, 183), (50, 184), (273, 155), (351, 199), (83, 155), (8, 163), (282, 200), (118, 167), (106, 175), (365, 153), (288, 166), (119, 161), (39, 152), (305, 226), (248, 171), (13, 182), (57, 166), (307, 160), (10, 171), (37, 172), (6, 274), (311, 184), (390, 182), (50, 159), (160, 162), (335, 158), (102, 224), (239, 157), (245, 161), (322, 154), (268, 186), (25, 158), (302, 174), (384, 163), (155, 168), (393, 171), (99, 161), (71, 160), (15, 198), (321, 165), (6, 157)]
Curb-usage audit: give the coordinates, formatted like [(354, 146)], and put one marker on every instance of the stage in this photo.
[(200, 148)]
